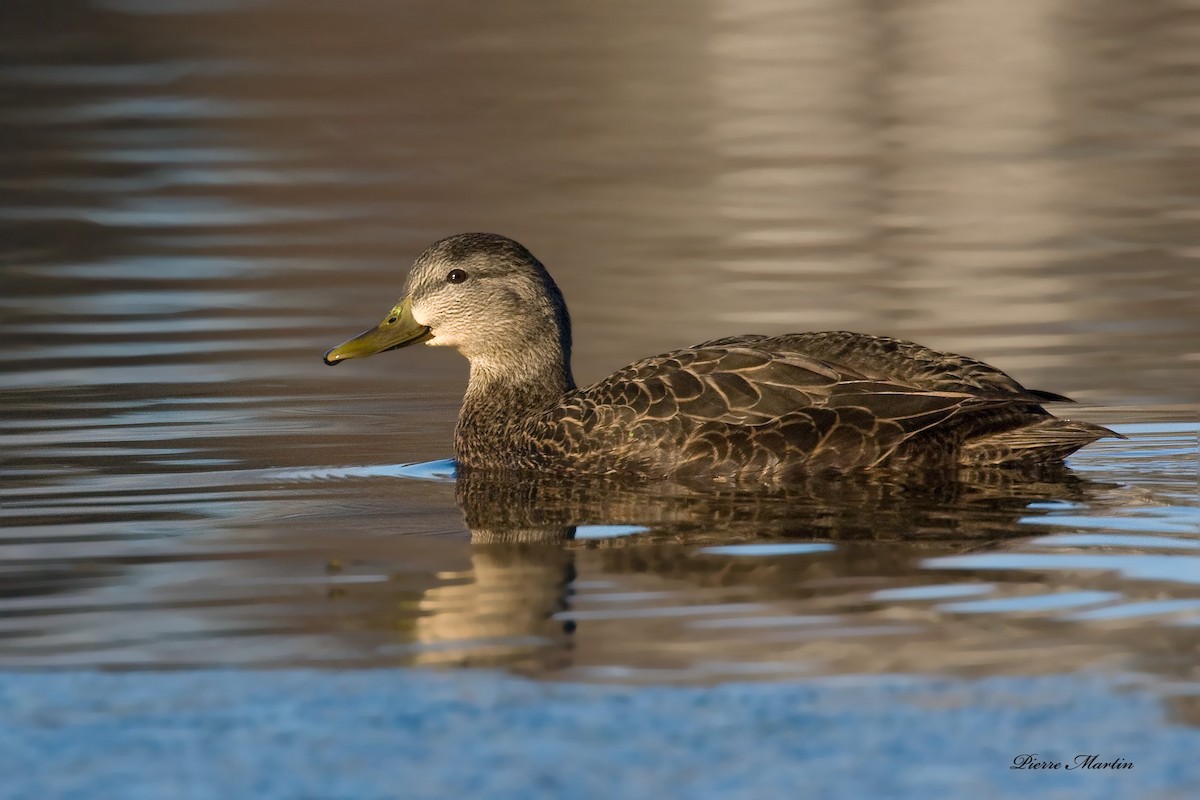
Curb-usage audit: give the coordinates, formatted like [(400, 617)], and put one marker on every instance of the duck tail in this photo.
[(1051, 397), (1047, 440)]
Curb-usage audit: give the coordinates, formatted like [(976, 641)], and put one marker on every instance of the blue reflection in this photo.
[(1037, 602), (1184, 569), (783, 549)]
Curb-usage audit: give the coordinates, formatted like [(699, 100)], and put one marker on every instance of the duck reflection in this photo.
[(504, 610), (531, 541), (963, 507)]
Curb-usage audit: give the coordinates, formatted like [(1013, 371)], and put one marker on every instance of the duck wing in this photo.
[(765, 406), (897, 360)]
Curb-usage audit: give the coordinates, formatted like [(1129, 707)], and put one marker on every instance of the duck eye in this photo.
[(456, 276)]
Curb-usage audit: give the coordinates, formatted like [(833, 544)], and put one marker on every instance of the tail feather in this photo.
[(1049, 397), (1049, 439)]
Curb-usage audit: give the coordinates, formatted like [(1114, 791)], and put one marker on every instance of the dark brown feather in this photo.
[(773, 409)]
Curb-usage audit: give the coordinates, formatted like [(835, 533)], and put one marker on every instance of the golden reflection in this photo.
[(498, 610)]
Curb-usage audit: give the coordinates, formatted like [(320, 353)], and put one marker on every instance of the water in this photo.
[(197, 198)]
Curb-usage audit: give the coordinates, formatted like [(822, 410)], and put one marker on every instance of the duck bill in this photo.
[(398, 329)]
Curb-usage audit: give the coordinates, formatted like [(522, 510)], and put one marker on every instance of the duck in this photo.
[(741, 409)]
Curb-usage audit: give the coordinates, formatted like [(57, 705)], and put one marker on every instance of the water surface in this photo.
[(197, 198)]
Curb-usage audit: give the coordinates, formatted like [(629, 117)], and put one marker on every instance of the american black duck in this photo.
[(744, 408)]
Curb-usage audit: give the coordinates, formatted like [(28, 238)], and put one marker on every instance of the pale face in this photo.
[(482, 301), (483, 294)]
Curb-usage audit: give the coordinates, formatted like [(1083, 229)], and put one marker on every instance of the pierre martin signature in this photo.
[(1081, 761)]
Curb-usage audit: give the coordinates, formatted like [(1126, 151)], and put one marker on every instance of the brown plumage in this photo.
[(743, 408)]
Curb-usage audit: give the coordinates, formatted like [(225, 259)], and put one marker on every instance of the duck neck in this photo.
[(502, 402)]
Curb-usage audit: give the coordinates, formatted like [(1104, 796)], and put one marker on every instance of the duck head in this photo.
[(481, 293)]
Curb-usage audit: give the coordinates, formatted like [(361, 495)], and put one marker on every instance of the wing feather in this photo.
[(795, 402)]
